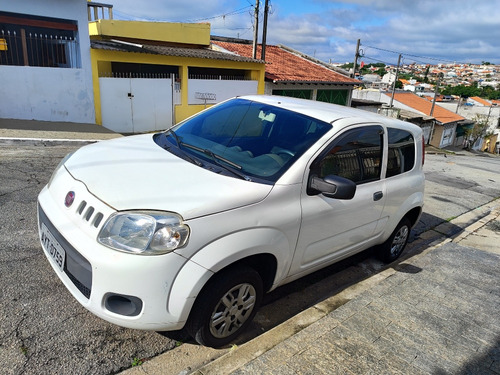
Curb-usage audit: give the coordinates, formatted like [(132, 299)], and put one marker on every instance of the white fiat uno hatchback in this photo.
[(189, 227)]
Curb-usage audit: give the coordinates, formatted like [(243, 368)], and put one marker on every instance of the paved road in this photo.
[(44, 330)]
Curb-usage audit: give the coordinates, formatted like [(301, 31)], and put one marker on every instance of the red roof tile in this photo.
[(285, 66), (480, 101), (424, 106)]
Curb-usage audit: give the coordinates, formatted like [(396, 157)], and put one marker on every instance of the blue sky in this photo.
[(424, 31)]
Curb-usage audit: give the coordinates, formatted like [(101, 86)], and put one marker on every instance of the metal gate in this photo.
[(448, 133), (427, 133), (137, 105)]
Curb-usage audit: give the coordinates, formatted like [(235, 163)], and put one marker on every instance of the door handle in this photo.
[(378, 196)]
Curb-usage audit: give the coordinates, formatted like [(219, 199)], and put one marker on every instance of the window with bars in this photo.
[(38, 41), (302, 94), (333, 96)]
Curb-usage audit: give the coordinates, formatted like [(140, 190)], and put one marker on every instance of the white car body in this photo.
[(230, 219)]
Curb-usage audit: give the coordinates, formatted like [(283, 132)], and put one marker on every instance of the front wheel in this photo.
[(391, 249), (225, 307)]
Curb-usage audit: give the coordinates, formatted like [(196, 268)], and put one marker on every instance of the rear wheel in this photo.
[(225, 307), (391, 249)]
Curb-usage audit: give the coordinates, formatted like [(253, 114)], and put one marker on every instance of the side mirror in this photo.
[(333, 186)]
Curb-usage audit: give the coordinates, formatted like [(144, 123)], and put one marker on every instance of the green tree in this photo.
[(461, 90), (489, 92), (406, 76), (399, 84), (381, 71)]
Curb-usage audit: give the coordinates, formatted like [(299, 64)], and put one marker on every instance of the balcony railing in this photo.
[(97, 11)]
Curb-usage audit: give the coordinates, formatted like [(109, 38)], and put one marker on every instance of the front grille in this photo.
[(88, 213), (76, 267), (82, 288)]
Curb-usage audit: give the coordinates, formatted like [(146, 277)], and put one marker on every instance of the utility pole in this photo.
[(356, 59), (256, 29), (264, 32), (395, 80), (436, 89), (458, 105), (489, 113)]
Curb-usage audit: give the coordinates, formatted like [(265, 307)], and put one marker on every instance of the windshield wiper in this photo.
[(176, 137), (217, 160), (186, 155)]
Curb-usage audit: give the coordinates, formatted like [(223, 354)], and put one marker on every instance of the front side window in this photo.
[(355, 155), (38, 41), (401, 157)]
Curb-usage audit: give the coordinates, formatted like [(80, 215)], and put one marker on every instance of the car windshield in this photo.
[(245, 139)]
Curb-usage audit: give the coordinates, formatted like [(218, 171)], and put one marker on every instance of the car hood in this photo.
[(134, 173)]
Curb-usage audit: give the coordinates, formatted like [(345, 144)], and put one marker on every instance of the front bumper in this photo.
[(125, 289)]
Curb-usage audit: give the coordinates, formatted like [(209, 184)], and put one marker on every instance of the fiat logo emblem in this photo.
[(70, 198)]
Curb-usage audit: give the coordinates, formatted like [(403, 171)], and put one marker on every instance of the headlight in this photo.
[(148, 233)]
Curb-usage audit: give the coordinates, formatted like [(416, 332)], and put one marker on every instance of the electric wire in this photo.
[(416, 56), (145, 18)]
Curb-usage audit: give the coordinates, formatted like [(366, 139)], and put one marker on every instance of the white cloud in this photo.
[(453, 30)]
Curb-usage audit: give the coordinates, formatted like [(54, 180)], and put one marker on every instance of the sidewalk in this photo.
[(456, 150), (56, 133)]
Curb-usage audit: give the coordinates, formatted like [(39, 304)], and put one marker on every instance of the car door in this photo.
[(333, 229)]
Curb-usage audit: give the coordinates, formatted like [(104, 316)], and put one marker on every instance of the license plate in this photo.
[(52, 247)]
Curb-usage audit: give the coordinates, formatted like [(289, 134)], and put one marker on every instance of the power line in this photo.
[(374, 59), (413, 56), (232, 13), (224, 15)]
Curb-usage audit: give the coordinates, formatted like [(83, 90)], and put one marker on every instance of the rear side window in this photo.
[(401, 157), (355, 155)]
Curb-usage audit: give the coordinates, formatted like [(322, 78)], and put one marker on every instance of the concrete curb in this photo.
[(239, 356), (46, 142)]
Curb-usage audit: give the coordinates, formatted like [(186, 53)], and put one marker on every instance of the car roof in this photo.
[(322, 111)]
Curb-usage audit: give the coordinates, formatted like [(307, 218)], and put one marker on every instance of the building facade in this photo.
[(148, 76), (45, 68)]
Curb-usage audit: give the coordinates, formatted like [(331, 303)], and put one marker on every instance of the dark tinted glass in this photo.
[(356, 155), (401, 152)]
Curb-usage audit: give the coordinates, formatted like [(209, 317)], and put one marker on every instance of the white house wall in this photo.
[(50, 94), (379, 96), (470, 112)]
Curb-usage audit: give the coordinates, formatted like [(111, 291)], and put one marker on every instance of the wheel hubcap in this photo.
[(233, 310), (399, 240)]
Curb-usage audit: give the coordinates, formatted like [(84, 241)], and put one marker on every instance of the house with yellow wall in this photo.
[(148, 76)]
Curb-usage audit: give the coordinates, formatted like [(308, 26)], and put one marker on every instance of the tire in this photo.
[(225, 307), (391, 249)]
